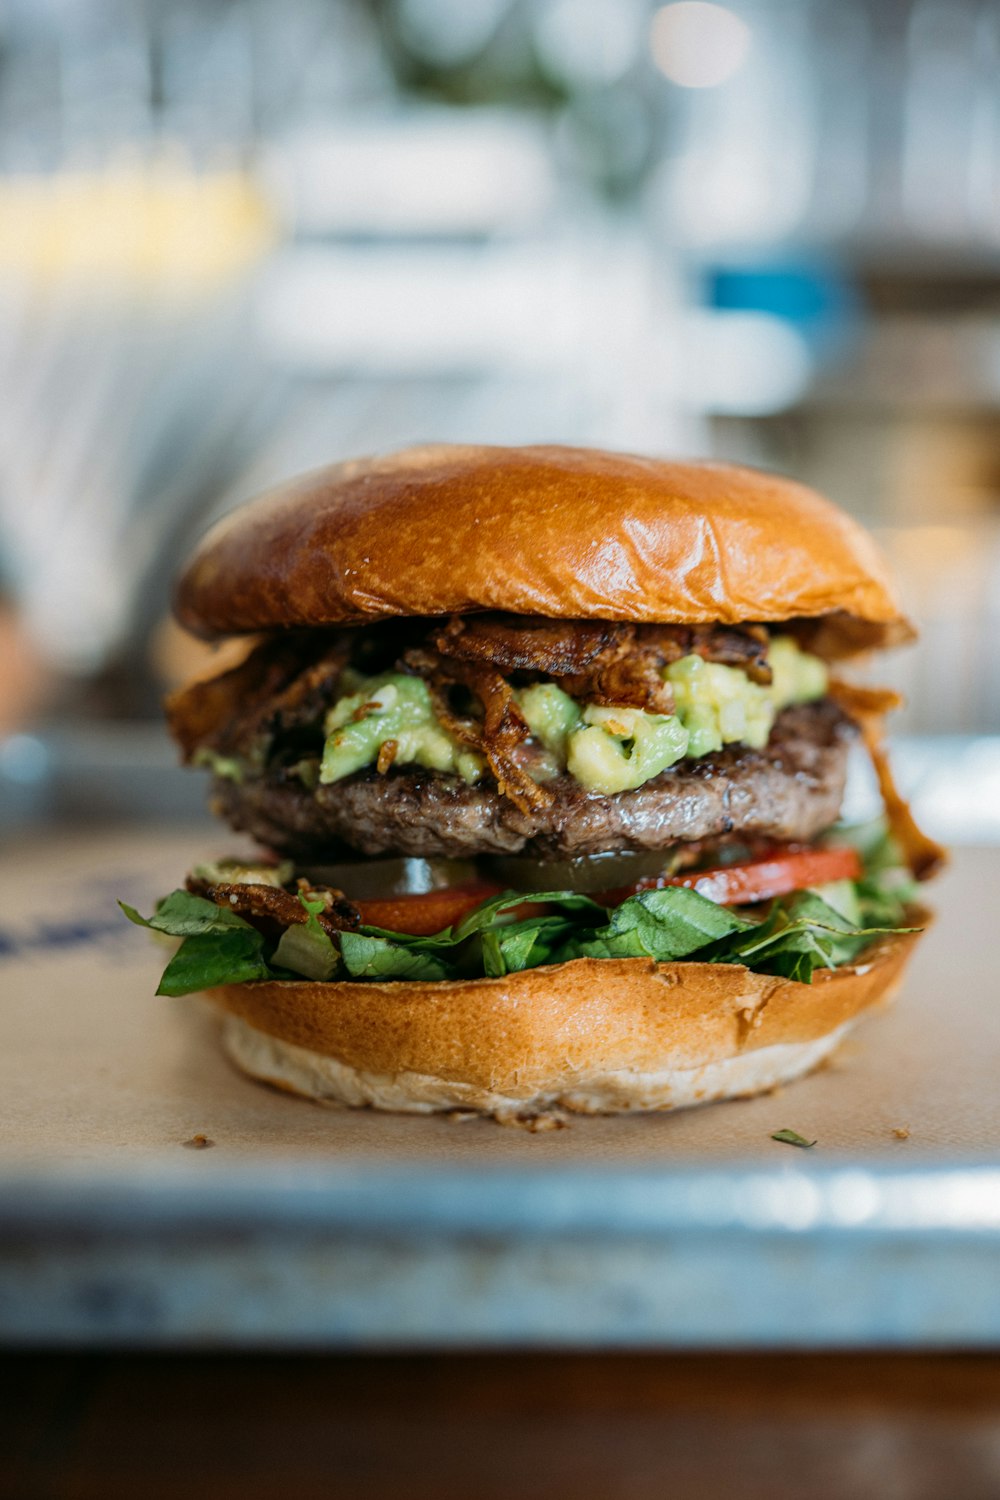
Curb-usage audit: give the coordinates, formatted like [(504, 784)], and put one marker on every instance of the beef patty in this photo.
[(791, 790)]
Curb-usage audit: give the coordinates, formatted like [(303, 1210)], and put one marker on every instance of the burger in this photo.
[(544, 752)]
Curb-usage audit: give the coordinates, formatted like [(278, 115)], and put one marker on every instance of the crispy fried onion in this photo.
[(270, 907), (282, 686), (867, 706), (924, 856), (276, 699), (602, 662), (856, 700), (497, 735)]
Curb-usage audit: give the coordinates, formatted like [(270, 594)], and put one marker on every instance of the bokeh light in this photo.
[(698, 45)]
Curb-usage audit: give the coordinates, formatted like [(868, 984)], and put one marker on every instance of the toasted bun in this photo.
[(594, 1035), (565, 533)]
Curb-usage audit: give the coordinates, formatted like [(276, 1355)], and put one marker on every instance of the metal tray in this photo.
[(302, 1226)]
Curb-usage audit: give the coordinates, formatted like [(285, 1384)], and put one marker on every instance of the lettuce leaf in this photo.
[(662, 925), (569, 903), (211, 958), (796, 936), (307, 948), (523, 945), (490, 940), (182, 915), (371, 955), (219, 947), (799, 936)]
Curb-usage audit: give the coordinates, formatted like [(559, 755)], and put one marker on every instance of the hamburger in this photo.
[(544, 750)]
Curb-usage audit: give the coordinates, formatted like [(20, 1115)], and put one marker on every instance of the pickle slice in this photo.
[(369, 879), (593, 872)]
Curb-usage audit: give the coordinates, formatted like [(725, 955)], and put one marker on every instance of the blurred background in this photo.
[(239, 238)]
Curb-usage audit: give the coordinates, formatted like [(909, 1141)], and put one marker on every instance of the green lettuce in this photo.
[(370, 954), (307, 948), (796, 936), (662, 925), (219, 947)]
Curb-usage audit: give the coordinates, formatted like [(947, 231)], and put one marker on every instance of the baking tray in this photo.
[(301, 1226)]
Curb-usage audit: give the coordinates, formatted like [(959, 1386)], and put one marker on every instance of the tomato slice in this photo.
[(776, 873), (423, 915)]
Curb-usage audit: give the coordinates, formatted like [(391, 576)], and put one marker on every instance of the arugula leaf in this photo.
[(665, 924), (210, 958), (219, 947), (662, 925), (368, 956), (880, 853), (523, 945), (796, 937), (568, 903), (489, 940), (181, 915), (792, 1138), (887, 884), (883, 901), (799, 937)]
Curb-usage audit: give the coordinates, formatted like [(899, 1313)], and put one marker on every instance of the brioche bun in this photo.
[(566, 533), (596, 1036)]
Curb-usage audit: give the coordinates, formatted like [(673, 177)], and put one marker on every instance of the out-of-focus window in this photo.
[(239, 239)]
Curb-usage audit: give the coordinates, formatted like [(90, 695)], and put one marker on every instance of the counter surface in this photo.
[(300, 1225)]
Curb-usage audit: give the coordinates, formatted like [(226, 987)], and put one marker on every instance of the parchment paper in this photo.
[(95, 1069)]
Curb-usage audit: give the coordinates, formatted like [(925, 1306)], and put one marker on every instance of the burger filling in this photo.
[(529, 710), (785, 912), (789, 791), (527, 793), (605, 748)]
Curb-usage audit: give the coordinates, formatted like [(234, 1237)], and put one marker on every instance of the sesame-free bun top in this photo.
[(569, 533)]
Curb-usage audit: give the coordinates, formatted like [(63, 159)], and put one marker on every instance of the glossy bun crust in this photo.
[(596, 1036), (567, 533)]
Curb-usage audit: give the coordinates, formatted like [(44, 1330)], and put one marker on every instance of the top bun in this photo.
[(570, 533)]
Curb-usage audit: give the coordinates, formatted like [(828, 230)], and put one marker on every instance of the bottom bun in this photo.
[(595, 1036)]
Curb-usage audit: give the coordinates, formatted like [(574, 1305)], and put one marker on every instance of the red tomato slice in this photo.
[(774, 874), (421, 916)]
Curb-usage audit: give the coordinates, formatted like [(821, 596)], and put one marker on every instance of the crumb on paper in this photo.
[(535, 1123), (457, 1116), (550, 1120), (901, 1132), (198, 1143)]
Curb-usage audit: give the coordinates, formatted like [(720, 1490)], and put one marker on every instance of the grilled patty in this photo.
[(789, 791)]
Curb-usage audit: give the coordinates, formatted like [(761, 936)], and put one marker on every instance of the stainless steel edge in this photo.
[(793, 1200), (334, 1259)]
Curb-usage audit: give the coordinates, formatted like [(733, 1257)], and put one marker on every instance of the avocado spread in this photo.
[(606, 749), (392, 707)]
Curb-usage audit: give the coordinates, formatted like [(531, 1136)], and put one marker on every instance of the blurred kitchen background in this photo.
[(239, 238)]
